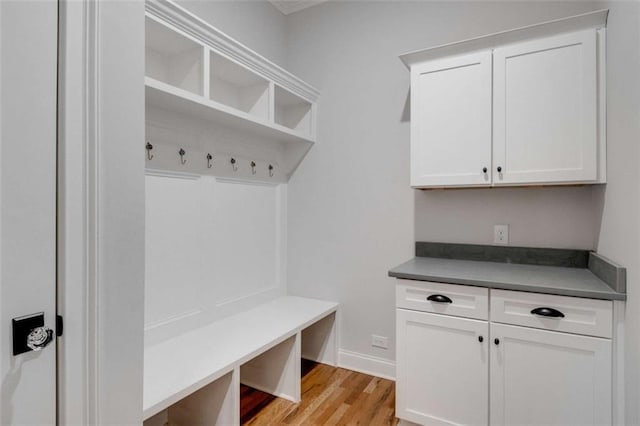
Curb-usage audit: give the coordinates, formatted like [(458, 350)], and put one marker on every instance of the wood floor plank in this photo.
[(330, 396)]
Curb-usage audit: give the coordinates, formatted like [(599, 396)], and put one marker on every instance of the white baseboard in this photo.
[(367, 364)]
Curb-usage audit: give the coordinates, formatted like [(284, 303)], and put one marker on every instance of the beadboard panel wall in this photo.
[(213, 248)]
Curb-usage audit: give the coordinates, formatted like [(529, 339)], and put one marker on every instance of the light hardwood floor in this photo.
[(330, 396)]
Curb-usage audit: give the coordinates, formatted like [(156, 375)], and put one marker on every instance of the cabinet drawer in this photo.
[(449, 299), (558, 313)]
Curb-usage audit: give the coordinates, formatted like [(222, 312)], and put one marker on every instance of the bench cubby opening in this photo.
[(319, 341), (217, 403), (276, 371)]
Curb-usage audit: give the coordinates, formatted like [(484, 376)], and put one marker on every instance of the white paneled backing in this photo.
[(173, 241), (243, 246), (213, 247)]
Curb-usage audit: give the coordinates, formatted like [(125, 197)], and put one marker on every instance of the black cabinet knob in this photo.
[(484, 170), (496, 341), (499, 169), (480, 339)]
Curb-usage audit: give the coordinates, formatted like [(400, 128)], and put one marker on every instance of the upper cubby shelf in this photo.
[(173, 58), (196, 72)]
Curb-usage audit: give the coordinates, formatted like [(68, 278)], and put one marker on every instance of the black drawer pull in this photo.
[(547, 312), (439, 298)]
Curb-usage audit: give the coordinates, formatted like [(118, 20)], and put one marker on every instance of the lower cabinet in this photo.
[(461, 371), (541, 377), (442, 369)]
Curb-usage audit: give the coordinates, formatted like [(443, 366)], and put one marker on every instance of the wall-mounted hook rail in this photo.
[(182, 152), (253, 167), (234, 166), (270, 170), (149, 147), (209, 158)]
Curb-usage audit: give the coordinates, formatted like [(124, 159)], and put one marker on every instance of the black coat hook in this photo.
[(270, 170), (253, 167), (182, 152), (233, 164), (149, 147), (209, 158)]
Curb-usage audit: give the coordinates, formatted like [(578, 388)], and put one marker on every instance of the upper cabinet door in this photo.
[(545, 111), (451, 121)]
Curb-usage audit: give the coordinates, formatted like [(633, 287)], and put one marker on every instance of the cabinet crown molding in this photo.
[(596, 19), (202, 31)]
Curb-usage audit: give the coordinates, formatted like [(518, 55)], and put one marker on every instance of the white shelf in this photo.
[(233, 85), (173, 58), (222, 98), (174, 99), (292, 111)]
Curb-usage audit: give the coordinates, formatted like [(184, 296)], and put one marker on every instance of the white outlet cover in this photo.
[(501, 234), (379, 341)]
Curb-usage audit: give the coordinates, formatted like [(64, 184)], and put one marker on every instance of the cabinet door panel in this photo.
[(541, 377), (442, 369), (545, 110), (451, 121)]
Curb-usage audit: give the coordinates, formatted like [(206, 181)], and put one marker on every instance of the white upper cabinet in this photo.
[(451, 121), (545, 110), (527, 106)]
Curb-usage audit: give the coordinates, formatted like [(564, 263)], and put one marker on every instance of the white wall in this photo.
[(256, 24), (351, 210), (618, 202)]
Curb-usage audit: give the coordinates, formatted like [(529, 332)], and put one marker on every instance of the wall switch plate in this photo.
[(379, 341), (501, 234)]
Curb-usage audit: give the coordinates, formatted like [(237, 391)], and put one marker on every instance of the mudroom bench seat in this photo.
[(194, 378)]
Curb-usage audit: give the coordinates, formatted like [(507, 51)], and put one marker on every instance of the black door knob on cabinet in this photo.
[(484, 170), (480, 339), (499, 169), (496, 341)]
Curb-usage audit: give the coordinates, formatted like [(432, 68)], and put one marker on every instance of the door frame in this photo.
[(100, 212)]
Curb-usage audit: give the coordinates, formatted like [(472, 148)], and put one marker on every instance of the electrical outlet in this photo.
[(379, 341), (501, 234)]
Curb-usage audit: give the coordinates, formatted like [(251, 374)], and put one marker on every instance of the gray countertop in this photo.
[(565, 281)]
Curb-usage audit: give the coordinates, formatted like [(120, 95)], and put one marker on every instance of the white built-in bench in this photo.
[(194, 378)]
